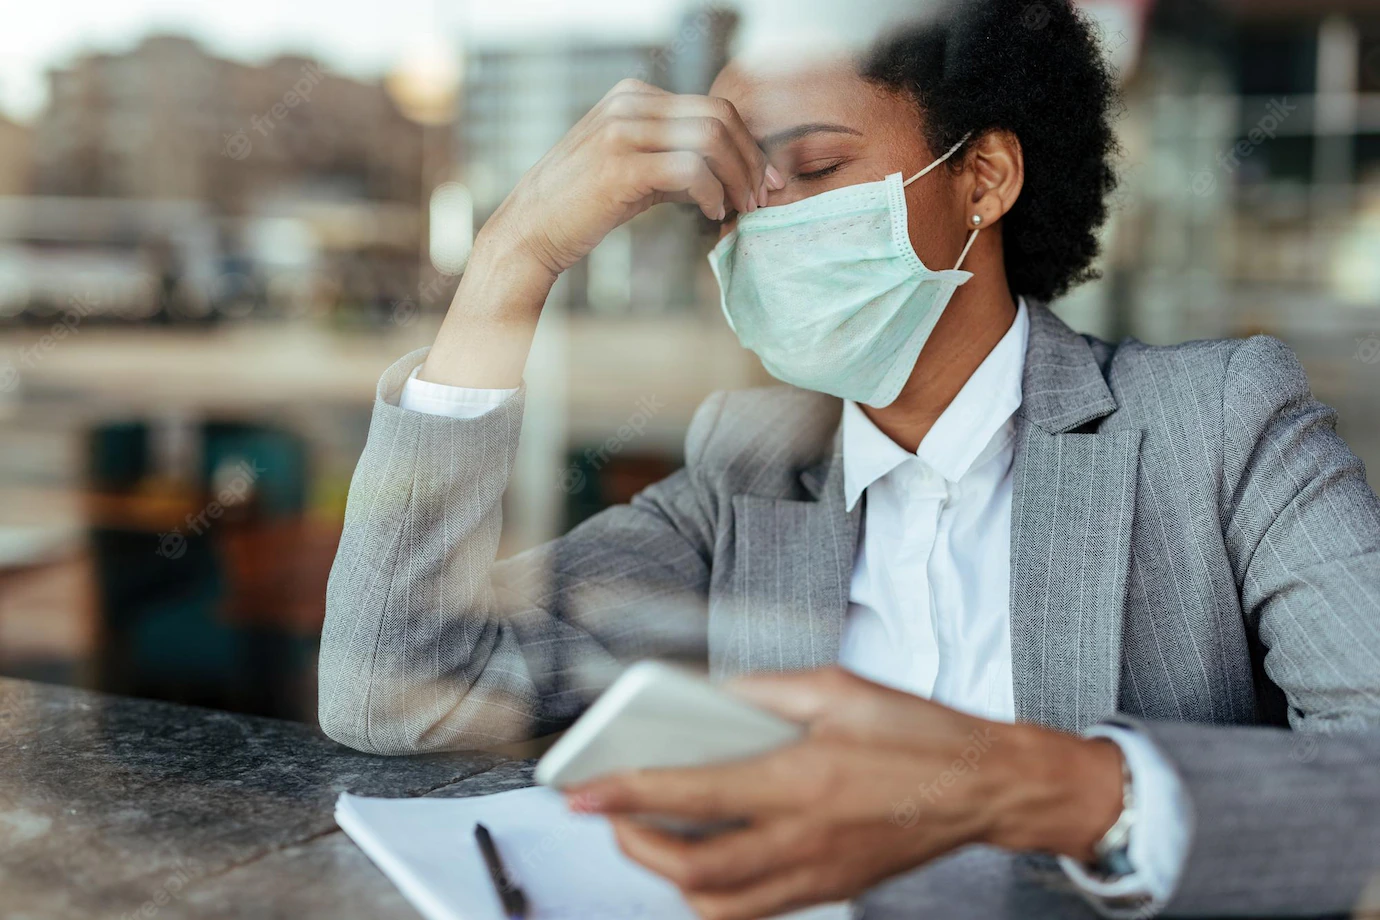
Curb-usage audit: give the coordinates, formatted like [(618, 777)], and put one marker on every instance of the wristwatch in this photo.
[(1113, 851)]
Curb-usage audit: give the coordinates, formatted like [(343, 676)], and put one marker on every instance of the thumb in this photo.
[(799, 696)]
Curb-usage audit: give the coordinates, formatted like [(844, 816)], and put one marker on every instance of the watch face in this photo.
[(1114, 849), (1115, 863)]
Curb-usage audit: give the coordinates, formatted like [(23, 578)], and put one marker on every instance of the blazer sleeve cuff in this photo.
[(452, 402)]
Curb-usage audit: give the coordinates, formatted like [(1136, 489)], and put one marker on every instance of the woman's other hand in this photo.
[(883, 782)]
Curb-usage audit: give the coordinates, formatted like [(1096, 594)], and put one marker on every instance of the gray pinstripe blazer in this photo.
[(1193, 547)]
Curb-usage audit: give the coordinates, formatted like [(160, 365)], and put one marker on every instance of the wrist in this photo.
[(488, 331), (503, 276), (1056, 793)]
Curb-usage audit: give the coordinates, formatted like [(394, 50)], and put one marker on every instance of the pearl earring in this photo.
[(977, 220)]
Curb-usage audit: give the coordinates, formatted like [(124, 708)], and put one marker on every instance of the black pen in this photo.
[(509, 894)]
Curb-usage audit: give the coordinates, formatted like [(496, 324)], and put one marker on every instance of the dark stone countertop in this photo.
[(122, 808), (110, 804)]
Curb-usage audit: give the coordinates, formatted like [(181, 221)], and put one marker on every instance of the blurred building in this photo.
[(311, 182), (169, 120), (169, 187), (105, 258), (15, 159), (1254, 168), (1250, 198)]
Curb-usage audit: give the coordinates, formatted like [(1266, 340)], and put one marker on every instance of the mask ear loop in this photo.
[(972, 237), (952, 150)]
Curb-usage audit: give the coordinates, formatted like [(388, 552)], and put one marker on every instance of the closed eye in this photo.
[(819, 173)]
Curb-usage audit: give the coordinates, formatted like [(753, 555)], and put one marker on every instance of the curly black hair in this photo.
[(1035, 68)]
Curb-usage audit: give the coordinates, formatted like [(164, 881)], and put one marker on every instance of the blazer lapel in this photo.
[(1072, 510), (789, 601)]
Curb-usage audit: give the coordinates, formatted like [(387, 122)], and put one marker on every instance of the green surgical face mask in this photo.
[(829, 292)]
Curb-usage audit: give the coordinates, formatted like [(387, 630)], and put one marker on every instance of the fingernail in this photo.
[(762, 193), (751, 205), (723, 212), (584, 803), (774, 178)]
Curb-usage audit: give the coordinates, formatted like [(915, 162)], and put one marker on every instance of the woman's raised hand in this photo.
[(637, 147)]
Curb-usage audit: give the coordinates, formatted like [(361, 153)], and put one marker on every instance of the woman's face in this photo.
[(824, 127)]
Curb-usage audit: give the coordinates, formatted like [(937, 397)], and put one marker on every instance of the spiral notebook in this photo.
[(568, 865)]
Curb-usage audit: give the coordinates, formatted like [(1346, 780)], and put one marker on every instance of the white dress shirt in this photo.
[(929, 602), (928, 606)]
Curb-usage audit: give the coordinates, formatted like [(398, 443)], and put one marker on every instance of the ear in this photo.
[(997, 170)]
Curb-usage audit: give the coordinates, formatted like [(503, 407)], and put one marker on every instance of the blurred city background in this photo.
[(219, 225)]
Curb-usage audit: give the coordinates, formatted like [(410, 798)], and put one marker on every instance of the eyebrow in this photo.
[(799, 131)]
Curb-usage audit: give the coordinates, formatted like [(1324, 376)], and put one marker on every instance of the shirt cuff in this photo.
[(1159, 836), (452, 402)]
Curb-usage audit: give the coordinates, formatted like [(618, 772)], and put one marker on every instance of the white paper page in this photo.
[(568, 865)]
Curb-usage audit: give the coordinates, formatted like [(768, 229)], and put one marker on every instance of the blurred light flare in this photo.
[(452, 227)]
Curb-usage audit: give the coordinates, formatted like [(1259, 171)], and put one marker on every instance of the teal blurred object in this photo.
[(277, 459), (163, 636), (118, 455), (177, 637), (583, 486), (162, 600)]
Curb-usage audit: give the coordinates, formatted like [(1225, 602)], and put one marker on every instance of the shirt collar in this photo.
[(973, 427)]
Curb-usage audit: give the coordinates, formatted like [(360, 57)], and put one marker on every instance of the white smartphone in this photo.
[(658, 716)]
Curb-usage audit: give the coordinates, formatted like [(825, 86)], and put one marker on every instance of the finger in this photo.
[(800, 696), (767, 177), (680, 173), (592, 119), (663, 853), (722, 109), (701, 134), (769, 784), (794, 888), (668, 105), (634, 86), (728, 860), (836, 703)]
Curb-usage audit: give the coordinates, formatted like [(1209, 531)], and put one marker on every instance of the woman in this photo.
[(1077, 589)]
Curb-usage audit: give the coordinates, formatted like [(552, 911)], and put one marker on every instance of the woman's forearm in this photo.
[(487, 334)]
